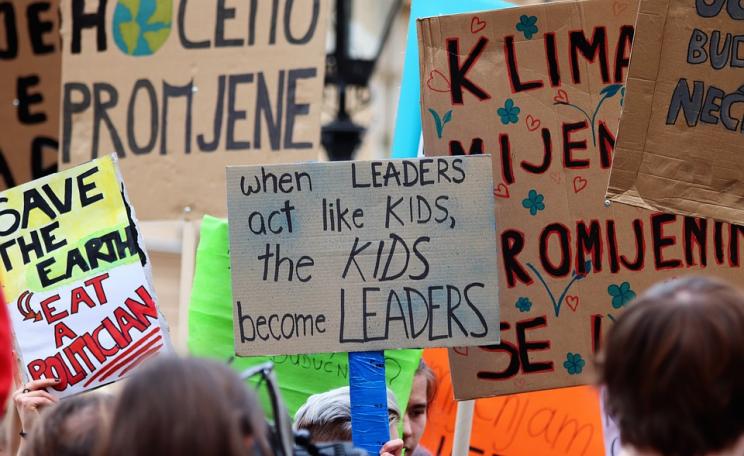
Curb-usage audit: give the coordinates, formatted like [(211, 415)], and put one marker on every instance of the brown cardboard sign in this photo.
[(29, 101), (366, 255), (541, 88), (179, 89), (680, 146)]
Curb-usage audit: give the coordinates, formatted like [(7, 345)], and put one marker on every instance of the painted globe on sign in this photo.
[(141, 27)]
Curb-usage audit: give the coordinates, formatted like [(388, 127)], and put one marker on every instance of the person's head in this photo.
[(176, 406), (327, 416), (673, 367), (71, 428), (423, 390)]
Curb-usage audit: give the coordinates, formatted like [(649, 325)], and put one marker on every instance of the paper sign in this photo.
[(179, 89), (29, 102), (76, 278), (563, 422), (541, 88), (680, 146), (211, 333), (359, 256), (408, 118)]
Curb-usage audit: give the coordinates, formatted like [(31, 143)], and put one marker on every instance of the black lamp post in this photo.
[(342, 136)]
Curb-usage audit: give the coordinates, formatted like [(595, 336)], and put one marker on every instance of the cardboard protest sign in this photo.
[(541, 88), (408, 118), (680, 146), (562, 422), (211, 333), (29, 102), (380, 254), (179, 89), (76, 278)]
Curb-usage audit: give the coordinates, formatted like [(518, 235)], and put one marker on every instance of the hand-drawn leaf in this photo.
[(447, 116), (437, 122), (611, 90)]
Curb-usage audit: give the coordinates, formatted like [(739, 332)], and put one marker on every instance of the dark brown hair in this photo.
[(70, 428), (673, 366), (191, 406)]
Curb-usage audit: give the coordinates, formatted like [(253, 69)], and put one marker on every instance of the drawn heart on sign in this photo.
[(556, 177), (461, 350), (579, 184), (476, 25), (618, 8), (519, 382), (501, 191), (562, 97), (438, 82), (532, 123), (572, 302)]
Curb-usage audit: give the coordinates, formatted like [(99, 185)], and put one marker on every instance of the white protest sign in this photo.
[(76, 277)]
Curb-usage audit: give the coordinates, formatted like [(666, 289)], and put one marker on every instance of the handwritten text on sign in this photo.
[(680, 143), (184, 88), (75, 274), (363, 256), (547, 112)]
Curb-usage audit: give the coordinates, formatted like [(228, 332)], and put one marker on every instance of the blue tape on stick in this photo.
[(370, 427)]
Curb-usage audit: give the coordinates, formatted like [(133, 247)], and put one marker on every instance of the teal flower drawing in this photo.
[(534, 202), (621, 294), (523, 304), (574, 364), (528, 26), (509, 113)]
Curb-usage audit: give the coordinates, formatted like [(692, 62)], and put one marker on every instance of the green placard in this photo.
[(211, 333)]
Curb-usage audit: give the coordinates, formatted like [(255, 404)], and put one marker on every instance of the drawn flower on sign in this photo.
[(509, 113), (527, 25), (607, 92), (574, 364), (523, 304), (534, 202), (440, 122), (621, 294)]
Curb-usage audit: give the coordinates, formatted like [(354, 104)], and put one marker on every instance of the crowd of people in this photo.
[(672, 366)]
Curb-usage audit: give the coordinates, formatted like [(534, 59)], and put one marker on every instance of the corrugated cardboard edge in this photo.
[(644, 67)]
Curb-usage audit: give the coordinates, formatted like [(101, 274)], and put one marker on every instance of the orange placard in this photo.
[(561, 422)]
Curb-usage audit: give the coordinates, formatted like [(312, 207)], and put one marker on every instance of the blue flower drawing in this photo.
[(523, 304), (534, 202), (621, 294), (509, 113), (527, 25), (574, 364)]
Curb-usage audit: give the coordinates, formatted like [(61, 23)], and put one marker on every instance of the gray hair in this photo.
[(327, 416)]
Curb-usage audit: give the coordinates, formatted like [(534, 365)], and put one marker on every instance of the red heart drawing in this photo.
[(501, 191), (556, 177), (579, 184), (476, 25), (562, 97), (618, 8), (438, 82), (519, 382), (572, 302), (532, 123), (461, 350)]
